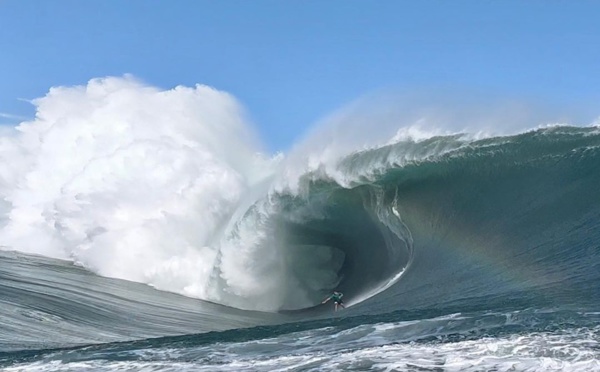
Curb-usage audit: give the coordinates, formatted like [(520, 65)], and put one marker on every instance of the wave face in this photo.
[(500, 217), (435, 239), (447, 220)]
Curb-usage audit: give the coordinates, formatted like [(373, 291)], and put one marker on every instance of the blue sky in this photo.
[(292, 62)]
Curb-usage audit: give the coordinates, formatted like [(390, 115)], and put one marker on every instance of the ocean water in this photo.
[(140, 231)]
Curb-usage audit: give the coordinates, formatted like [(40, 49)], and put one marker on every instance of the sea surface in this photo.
[(454, 253)]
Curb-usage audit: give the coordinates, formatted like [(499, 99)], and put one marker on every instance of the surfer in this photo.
[(337, 299)]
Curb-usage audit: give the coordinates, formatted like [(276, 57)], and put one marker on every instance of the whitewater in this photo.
[(147, 229)]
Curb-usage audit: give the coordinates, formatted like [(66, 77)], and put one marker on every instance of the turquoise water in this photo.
[(453, 255)]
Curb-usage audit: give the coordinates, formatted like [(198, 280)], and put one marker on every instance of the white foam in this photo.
[(129, 180), (379, 347)]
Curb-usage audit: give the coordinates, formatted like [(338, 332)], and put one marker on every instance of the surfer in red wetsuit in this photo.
[(337, 299)]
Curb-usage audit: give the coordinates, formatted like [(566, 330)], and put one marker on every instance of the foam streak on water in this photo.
[(450, 343)]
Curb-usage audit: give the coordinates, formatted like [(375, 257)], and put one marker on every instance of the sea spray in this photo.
[(128, 180)]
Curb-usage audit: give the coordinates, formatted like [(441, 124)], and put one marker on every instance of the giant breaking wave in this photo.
[(170, 188)]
